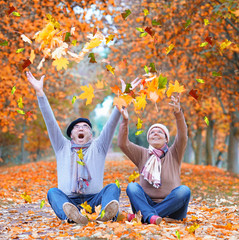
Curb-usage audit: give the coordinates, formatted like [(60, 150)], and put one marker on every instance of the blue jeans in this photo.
[(57, 198), (174, 205)]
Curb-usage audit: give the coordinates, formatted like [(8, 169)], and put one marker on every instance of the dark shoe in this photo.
[(73, 213), (155, 220), (111, 210)]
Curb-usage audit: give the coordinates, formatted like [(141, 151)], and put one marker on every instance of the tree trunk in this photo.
[(198, 149), (209, 144), (233, 158), (23, 152), (189, 153)]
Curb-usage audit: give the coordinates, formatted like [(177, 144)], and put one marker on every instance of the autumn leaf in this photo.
[(11, 9), (133, 176), (60, 63), (225, 44), (117, 183), (206, 120), (102, 213), (116, 90), (28, 114), (127, 98), (80, 154), (111, 69), (143, 34), (13, 90), (150, 31), (26, 197), (73, 99), (127, 88), (146, 12), (42, 204), (206, 22), (177, 234), (41, 64), (88, 93), (126, 14), (94, 31), (99, 84), (200, 80), (87, 207), (81, 163), (155, 23), (4, 43), (209, 40), (140, 102), (216, 74), (19, 102), (74, 42), (20, 111), (175, 88), (203, 44), (152, 68), (109, 38), (139, 132), (92, 58), (20, 50), (17, 14), (94, 42), (26, 39), (139, 123), (168, 49), (25, 64), (162, 81), (140, 29), (194, 94), (120, 102), (153, 96), (53, 20), (192, 228), (146, 69), (67, 37), (32, 56), (188, 22)]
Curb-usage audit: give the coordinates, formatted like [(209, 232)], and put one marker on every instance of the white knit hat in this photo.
[(161, 126)]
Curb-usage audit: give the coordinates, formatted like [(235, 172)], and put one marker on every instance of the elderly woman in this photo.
[(160, 193)]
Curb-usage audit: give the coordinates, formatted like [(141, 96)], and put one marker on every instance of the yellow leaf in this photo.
[(95, 42), (127, 98), (88, 93), (26, 197), (175, 88), (120, 102), (99, 84), (140, 102), (80, 154), (32, 56), (111, 69), (110, 38), (60, 63), (87, 207), (171, 46), (225, 44), (133, 176), (19, 102), (139, 123)]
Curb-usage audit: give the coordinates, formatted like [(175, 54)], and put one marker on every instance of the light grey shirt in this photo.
[(94, 157)]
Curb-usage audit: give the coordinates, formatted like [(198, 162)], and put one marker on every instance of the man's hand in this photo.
[(37, 84), (124, 113), (175, 103)]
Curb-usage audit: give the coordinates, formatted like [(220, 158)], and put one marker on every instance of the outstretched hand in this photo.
[(124, 113), (175, 103), (37, 84)]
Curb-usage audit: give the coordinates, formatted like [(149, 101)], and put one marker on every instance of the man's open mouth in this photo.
[(81, 135)]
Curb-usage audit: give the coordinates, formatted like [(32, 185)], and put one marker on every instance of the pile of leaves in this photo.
[(26, 214)]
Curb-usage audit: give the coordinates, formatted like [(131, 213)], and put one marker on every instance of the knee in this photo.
[(183, 193), (113, 187), (132, 188), (52, 192)]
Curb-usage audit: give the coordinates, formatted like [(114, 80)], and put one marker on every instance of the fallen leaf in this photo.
[(13, 90), (146, 12), (26, 197), (168, 49), (126, 14), (17, 14), (42, 204), (206, 22), (117, 183), (87, 207), (133, 176), (4, 43)]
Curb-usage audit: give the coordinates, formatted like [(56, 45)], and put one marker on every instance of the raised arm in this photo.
[(181, 138), (131, 150), (56, 137)]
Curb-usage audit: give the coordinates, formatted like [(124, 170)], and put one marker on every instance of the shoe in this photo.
[(130, 217), (155, 220), (111, 210), (73, 214)]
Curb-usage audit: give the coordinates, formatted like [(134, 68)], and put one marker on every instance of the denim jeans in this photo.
[(57, 198), (174, 205)]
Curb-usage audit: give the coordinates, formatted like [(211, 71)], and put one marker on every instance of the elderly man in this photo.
[(160, 193), (80, 164)]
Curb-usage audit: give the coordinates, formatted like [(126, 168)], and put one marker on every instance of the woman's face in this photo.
[(157, 138)]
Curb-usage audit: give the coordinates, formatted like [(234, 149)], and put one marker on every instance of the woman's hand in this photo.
[(175, 103)]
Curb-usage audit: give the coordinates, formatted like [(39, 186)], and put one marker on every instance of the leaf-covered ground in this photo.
[(213, 210)]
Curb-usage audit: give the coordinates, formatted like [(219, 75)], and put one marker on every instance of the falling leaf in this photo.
[(26, 197), (25, 64), (94, 31), (146, 12), (19, 102), (74, 42), (177, 234), (203, 44), (140, 29), (11, 9), (193, 93), (162, 81), (67, 37), (206, 22), (73, 99), (81, 163), (126, 14), (225, 44), (87, 207), (20, 111), (139, 123), (175, 88), (88, 93), (99, 84), (188, 22), (155, 23), (13, 90), (152, 68), (216, 74), (20, 50), (127, 88), (116, 90), (53, 21), (17, 14), (26, 39), (171, 46), (42, 204), (117, 183), (143, 34), (120, 102), (139, 132), (109, 38), (146, 69), (200, 80), (111, 69), (140, 102), (206, 120), (102, 213), (150, 31), (60, 63), (153, 96), (209, 40), (32, 56), (4, 43), (94, 42), (80, 154), (127, 98), (41, 64), (92, 58)]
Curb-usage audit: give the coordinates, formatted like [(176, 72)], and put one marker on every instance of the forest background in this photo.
[(172, 46)]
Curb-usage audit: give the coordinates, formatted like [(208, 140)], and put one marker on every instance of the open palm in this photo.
[(37, 84)]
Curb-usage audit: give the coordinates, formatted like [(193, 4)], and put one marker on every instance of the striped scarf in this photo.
[(80, 173), (152, 168)]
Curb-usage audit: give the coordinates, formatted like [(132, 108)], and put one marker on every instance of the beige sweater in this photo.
[(171, 163)]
